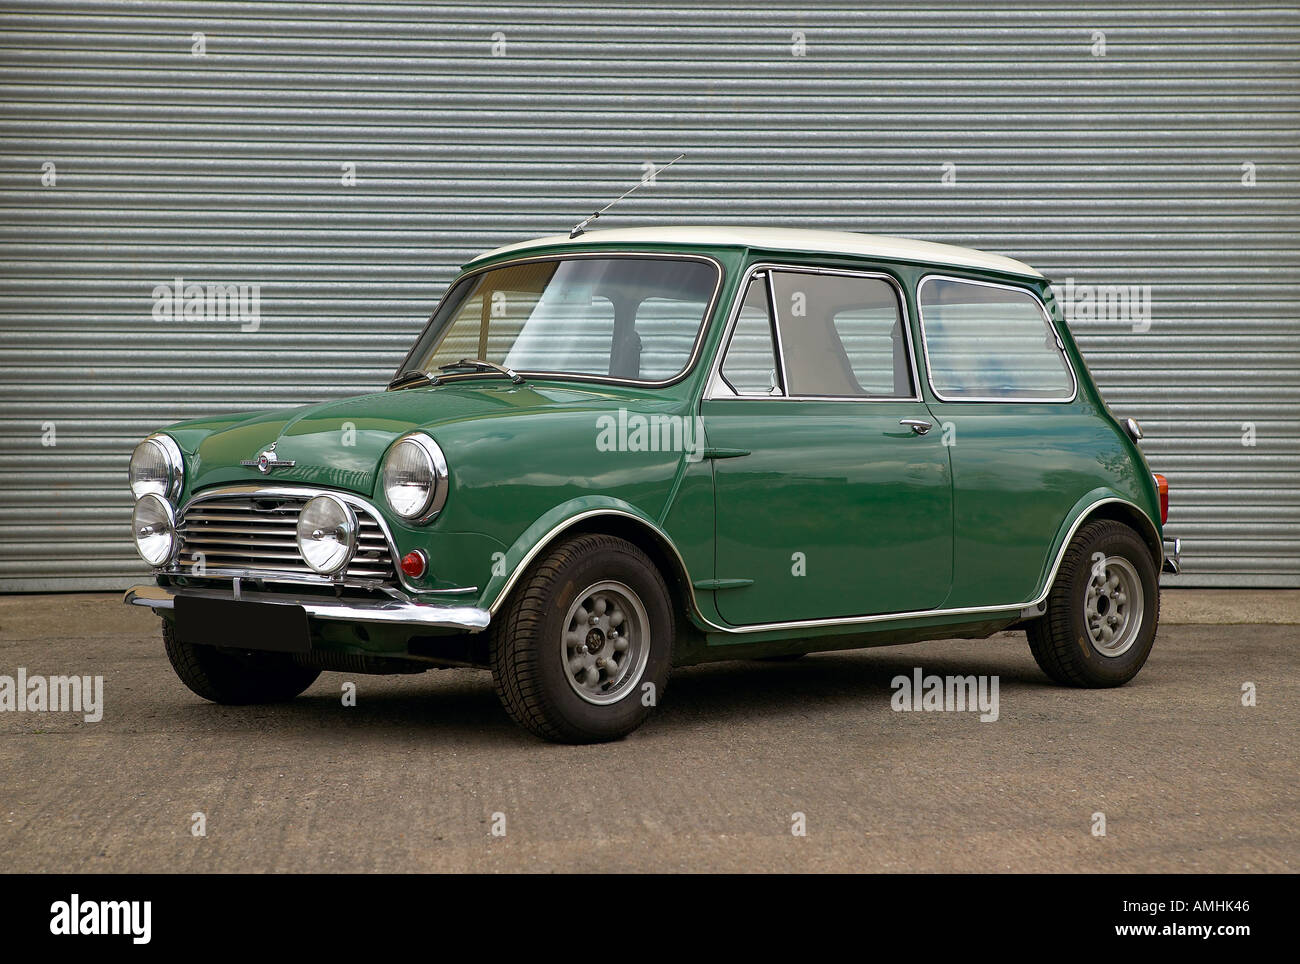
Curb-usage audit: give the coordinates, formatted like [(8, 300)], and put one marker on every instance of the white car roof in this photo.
[(787, 239)]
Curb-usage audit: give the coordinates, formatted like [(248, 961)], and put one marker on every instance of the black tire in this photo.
[(528, 654), (233, 677), (1060, 639)]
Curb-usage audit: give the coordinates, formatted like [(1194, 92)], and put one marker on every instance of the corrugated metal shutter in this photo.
[(1122, 169)]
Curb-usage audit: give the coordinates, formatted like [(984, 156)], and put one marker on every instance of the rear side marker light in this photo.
[(1162, 486)]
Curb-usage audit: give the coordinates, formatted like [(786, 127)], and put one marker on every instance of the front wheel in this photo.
[(233, 676), (1102, 611), (581, 652)]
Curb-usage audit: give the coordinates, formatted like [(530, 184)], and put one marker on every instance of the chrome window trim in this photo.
[(1051, 327), (705, 321), (777, 345), (771, 267), (253, 490), (1018, 607)]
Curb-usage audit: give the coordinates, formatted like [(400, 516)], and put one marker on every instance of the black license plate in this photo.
[(239, 624)]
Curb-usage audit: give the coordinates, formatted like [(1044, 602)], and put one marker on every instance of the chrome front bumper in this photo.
[(394, 611)]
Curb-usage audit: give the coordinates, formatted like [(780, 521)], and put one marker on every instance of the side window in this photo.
[(842, 336), (749, 366), (989, 342)]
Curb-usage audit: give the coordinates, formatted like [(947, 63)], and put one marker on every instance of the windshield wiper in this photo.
[(410, 377), (479, 364)]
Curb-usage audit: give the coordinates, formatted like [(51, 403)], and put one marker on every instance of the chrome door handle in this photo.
[(918, 425)]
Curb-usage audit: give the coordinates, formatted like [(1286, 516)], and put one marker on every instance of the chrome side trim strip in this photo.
[(1008, 608), (466, 618), (1047, 316)]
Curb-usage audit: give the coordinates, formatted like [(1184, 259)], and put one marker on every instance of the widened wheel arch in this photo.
[(1130, 515), (623, 525), (1114, 509), (1103, 610), (582, 652)]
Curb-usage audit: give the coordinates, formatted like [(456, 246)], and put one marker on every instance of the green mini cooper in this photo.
[(636, 449)]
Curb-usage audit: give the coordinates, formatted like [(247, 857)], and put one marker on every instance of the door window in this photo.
[(841, 336)]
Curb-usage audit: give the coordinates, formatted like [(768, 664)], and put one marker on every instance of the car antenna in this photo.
[(581, 226)]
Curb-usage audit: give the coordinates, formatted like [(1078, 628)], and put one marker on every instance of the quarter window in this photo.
[(749, 367), (987, 342)]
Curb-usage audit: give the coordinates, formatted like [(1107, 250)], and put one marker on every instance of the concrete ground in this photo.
[(1187, 777)]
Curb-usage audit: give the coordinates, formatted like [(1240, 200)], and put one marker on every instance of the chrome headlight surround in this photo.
[(327, 517), (153, 516), (421, 460), (164, 448)]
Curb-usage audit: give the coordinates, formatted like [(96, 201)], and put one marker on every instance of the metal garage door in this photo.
[(1137, 145)]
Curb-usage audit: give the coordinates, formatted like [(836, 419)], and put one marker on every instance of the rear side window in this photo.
[(988, 342)]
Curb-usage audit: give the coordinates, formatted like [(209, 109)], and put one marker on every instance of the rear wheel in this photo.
[(581, 652), (1102, 611), (233, 676)]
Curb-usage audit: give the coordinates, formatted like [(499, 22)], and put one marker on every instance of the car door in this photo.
[(832, 487), (1024, 446)]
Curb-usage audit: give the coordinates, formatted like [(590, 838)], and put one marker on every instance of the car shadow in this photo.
[(463, 707), (722, 690)]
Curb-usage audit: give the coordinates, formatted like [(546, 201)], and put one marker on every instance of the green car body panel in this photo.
[(799, 525)]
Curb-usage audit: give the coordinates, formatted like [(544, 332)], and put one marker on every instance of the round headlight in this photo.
[(414, 478), (157, 468), (154, 526), (327, 534)]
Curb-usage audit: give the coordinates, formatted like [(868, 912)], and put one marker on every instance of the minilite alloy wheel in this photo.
[(582, 649), (1113, 604), (605, 643), (1102, 611)]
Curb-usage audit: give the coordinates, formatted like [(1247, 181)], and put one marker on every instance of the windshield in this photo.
[(633, 318)]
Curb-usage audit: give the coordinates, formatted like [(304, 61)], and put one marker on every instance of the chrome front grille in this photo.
[(257, 532)]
